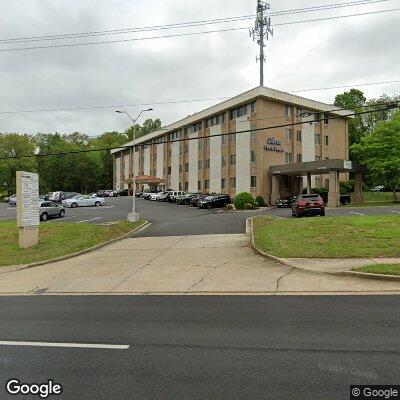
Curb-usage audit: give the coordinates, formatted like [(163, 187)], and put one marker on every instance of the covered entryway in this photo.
[(151, 182), (329, 167)]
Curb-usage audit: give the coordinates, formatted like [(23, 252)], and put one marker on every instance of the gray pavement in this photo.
[(204, 347)]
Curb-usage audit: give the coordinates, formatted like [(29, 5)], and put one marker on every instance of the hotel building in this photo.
[(243, 145)]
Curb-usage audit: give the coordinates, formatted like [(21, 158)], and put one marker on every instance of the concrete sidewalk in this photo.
[(205, 264)]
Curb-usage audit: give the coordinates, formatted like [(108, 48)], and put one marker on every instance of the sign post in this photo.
[(28, 208)]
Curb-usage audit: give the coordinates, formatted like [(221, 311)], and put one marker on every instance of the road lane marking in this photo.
[(87, 220), (60, 219), (393, 211), (356, 213), (7, 217), (73, 345)]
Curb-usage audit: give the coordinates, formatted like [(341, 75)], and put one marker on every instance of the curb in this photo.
[(354, 274), (367, 275), (140, 228)]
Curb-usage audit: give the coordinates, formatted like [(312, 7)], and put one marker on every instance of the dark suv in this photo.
[(219, 200), (308, 204)]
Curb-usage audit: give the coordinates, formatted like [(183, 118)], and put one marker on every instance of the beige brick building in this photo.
[(193, 154)]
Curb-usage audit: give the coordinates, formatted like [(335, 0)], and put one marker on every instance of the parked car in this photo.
[(173, 195), (163, 196), (308, 204), (379, 188), (60, 196), (345, 199), (84, 201), (106, 193), (219, 200), (155, 196), (196, 198), (50, 209), (147, 195), (138, 194), (122, 192), (285, 202), (12, 200), (184, 199)]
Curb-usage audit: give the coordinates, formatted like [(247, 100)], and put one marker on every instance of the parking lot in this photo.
[(171, 219)]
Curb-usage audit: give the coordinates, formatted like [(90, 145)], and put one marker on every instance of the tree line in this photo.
[(81, 172)]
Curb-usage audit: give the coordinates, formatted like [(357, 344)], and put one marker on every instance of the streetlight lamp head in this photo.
[(149, 109), (118, 111)]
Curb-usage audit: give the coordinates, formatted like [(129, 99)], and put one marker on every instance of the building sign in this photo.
[(347, 164), (274, 144), (27, 199)]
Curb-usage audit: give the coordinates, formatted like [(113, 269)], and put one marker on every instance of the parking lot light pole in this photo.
[(133, 216)]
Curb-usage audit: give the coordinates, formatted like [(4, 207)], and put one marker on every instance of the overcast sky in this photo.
[(319, 54)]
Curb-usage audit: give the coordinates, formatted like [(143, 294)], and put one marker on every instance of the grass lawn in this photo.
[(378, 199), (56, 239), (385, 269), (336, 237)]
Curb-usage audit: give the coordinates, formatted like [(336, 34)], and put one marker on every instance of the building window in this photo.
[(180, 186), (299, 158), (199, 165), (252, 156), (288, 134), (253, 181), (232, 159), (206, 184), (187, 167), (288, 111), (186, 149), (200, 144), (223, 183), (317, 138), (198, 185), (186, 186), (223, 161), (180, 168), (253, 134), (169, 153), (326, 119), (169, 170), (207, 143), (232, 183), (298, 136), (233, 137), (253, 106), (223, 139), (207, 164), (288, 158), (317, 117), (326, 140)]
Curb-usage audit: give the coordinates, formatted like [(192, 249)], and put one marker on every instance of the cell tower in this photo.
[(261, 33)]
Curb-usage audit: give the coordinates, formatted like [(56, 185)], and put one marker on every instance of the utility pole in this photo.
[(260, 32)]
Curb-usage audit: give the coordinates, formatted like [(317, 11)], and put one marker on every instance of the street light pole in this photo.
[(133, 216)]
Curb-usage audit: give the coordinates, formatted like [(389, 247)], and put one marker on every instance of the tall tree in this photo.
[(380, 153)]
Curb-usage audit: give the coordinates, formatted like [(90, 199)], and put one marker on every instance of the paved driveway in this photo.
[(202, 264)]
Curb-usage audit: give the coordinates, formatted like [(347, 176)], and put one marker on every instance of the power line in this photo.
[(78, 108), (124, 147), (184, 24), (191, 33)]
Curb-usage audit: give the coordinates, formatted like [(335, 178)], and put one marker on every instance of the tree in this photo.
[(149, 125), (14, 145), (380, 153)]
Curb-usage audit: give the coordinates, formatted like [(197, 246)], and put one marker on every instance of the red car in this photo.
[(308, 204)]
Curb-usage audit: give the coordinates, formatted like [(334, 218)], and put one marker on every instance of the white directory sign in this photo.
[(347, 164), (27, 199)]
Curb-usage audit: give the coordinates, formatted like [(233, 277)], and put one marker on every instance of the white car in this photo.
[(155, 196), (84, 201)]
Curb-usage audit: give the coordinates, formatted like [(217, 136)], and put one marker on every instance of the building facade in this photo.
[(228, 148)]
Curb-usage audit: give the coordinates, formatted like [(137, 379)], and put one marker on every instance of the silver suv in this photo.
[(50, 209)]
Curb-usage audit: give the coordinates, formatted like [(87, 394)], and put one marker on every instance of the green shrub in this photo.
[(249, 206), (346, 187), (230, 207), (260, 201), (242, 199)]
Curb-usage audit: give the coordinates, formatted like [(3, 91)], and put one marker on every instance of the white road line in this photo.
[(7, 217), (87, 220), (356, 213), (75, 345), (392, 211), (11, 208), (60, 219)]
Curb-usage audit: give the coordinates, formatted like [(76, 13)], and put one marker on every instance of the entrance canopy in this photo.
[(315, 167), (146, 179), (331, 167)]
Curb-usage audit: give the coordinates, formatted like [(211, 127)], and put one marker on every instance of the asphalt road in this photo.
[(172, 219), (243, 347)]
